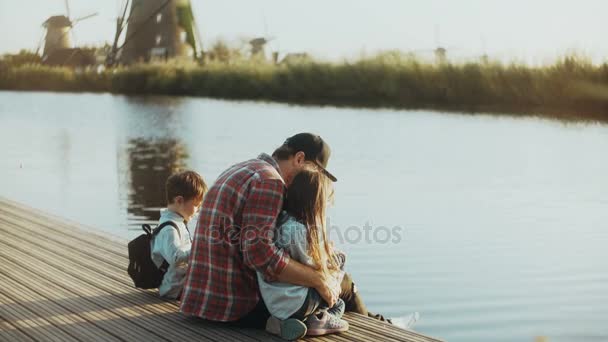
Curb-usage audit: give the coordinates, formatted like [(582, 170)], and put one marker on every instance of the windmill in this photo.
[(258, 44), (484, 58), (156, 30), (440, 52), (258, 47), (58, 33)]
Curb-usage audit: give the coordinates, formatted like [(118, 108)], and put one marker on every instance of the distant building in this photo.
[(58, 49), (295, 58), (160, 30), (73, 57), (57, 34)]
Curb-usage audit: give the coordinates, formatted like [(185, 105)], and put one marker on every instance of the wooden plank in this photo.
[(55, 227), (133, 319), (115, 299), (82, 265), (75, 282), (110, 265), (377, 327), (9, 332), (84, 304), (66, 250), (52, 311), (54, 231), (94, 278), (64, 225), (35, 327)]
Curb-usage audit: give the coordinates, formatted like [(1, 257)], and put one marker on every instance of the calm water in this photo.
[(499, 226)]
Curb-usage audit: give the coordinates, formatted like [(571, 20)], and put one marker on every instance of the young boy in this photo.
[(185, 192)]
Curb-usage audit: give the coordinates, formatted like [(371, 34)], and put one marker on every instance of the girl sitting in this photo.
[(301, 231)]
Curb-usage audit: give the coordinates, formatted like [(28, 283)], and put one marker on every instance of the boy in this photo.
[(185, 191)]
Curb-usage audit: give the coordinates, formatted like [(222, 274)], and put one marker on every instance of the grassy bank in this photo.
[(571, 88)]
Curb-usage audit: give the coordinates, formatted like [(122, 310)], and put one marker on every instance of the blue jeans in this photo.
[(312, 303)]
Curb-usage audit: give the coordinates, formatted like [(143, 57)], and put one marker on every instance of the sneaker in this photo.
[(290, 329), (324, 323), (337, 310), (406, 322)]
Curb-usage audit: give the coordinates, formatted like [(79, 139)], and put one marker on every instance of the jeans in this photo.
[(312, 303), (348, 293)]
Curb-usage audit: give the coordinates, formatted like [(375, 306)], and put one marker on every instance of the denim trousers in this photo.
[(257, 317)]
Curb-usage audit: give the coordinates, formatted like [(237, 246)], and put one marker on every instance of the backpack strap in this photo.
[(163, 225), (147, 229), (153, 232)]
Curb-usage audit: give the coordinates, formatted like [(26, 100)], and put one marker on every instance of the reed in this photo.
[(571, 88)]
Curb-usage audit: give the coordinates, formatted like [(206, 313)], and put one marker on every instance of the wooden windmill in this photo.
[(258, 48), (58, 37), (59, 32), (157, 30)]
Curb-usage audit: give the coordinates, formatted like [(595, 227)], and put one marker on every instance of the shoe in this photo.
[(337, 310), (324, 323), (290, 329), (406, 322)]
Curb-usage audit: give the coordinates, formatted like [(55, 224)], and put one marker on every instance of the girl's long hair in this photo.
[(307, 199)]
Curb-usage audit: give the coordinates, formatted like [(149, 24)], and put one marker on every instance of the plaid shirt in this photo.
[(233, 240)]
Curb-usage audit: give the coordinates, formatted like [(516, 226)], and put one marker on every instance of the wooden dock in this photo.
[(62, 282)]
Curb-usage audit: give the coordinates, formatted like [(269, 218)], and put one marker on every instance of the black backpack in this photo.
[(141, 268)]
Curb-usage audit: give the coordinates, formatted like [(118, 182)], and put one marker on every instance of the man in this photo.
[(234, 239)]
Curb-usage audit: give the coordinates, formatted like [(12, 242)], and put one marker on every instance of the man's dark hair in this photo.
[(284, 152)]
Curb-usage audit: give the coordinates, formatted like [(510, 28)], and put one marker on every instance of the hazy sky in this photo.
[(531, 30)]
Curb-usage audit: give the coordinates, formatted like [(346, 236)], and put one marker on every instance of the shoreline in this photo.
[(555, 114), (570, 90)]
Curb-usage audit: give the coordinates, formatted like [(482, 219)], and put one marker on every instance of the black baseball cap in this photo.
[(314, 148)]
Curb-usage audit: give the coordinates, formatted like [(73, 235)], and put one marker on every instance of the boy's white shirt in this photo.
[(175, 249)]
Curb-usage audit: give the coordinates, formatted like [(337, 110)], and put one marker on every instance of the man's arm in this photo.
[(262, 207)]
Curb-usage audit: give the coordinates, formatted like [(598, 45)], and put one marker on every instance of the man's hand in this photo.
[(326, 286), (327, 292), (298, 274)]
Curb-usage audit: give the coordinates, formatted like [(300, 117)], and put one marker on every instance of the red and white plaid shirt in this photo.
[(233, 240)]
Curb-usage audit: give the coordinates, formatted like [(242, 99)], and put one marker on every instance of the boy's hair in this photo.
[(188, 184)]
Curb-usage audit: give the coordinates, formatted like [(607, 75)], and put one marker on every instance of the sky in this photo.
[(532, 31)]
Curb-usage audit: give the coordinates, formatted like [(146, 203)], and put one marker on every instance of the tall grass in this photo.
[(572, 87), (39, 77)]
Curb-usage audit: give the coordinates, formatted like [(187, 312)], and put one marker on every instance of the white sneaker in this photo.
[(406, 322), (324, 323)]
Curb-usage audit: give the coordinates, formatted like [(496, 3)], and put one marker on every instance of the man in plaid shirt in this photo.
[(234, 237)]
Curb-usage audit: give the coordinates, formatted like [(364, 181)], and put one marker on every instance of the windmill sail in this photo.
[(160, 30)]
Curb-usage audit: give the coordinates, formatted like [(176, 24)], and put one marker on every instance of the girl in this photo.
[(301, 232)]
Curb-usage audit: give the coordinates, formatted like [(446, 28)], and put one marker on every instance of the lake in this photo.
[(493, 228)]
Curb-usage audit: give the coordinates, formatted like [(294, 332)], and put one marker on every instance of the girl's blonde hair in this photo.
[(307, 198)]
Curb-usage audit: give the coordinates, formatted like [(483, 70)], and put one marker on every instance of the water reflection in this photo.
[(151, 162)]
